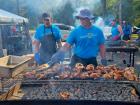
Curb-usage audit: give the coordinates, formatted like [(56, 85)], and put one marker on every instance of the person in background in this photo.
[(47, 39), (87, 41), (116, 31), (127, 30), (116, 34)]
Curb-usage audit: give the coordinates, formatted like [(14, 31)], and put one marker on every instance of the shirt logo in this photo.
[(89, 36)]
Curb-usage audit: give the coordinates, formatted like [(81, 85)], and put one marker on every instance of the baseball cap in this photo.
[(45, 16)]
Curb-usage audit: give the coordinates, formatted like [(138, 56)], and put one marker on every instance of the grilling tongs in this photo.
[(45, 66)]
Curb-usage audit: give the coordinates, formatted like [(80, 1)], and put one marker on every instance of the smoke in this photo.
[(56, 8), (91, 4), (52, 6), (99, 23), (41, 6)]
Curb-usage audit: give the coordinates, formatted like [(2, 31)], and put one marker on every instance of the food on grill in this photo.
[(130, 75), (133, 92), (43, 66), (84, 75), (79, 67), (75, 75), (107, 76), (100, 67), (39, 76), (94, 75), (64, 95), (117, 76), (64, 75), (90, 67), (29, 75), (80, 72), (119, 72)]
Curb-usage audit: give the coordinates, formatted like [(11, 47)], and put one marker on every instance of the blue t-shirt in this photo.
[(86, 41), (40, 32), (126, 29), (115, 31)]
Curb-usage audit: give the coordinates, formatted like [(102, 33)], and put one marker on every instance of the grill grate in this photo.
[(79, 90)]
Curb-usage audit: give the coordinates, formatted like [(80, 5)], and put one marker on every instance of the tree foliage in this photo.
[(65, 14)]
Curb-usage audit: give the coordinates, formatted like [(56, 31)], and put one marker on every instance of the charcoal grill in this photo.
[(98, 89), (81, 90)]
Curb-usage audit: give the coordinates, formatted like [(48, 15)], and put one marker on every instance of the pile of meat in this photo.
[(61, 71)]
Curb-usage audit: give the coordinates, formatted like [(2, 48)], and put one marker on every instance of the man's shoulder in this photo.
[(40, 26), (77, 29), (55, 27)]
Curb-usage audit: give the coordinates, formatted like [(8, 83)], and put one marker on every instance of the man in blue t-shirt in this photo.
[(87, 40), (46, 39)]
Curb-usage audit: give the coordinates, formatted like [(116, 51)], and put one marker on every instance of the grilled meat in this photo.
[(90, 67)]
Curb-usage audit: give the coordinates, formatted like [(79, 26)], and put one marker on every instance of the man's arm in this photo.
[(60, 54), (120, 30), (102, 51), (37, 45), (103, 55), (36, 51)]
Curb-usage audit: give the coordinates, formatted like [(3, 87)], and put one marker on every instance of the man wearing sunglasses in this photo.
[(47, 40), (87, 39)]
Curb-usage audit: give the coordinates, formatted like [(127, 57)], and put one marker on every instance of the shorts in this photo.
[(126, 37)]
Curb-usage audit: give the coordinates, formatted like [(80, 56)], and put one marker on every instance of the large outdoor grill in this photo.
[(62, 84), (65, 83)]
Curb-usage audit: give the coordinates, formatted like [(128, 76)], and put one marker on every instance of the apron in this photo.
[(48, 46)]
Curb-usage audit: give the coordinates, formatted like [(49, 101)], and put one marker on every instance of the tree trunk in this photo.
[(104, 8)]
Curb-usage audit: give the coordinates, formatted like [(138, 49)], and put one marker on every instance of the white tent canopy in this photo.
[(10, 17)]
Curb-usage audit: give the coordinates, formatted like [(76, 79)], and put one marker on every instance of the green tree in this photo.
[(8, 5), (65, 14), (136, 12)]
